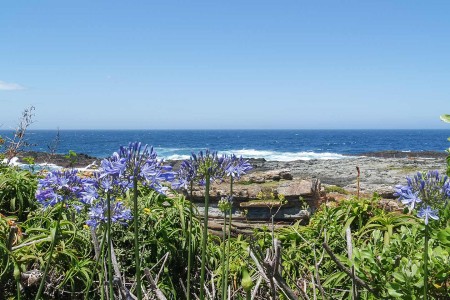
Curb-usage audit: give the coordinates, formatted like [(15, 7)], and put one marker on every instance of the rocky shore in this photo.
[(312, 181), (380, 171)]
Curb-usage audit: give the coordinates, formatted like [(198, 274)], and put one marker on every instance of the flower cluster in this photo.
[(62, 186), (116, 175), (186, 174), (98, 213), (209, 163), (136, 163), (423, 192), (237, 166)]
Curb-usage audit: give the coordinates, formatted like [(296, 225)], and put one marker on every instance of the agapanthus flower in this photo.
[(236, 167), (209, 164), (186, 174), (89, 194), (98, 213), (407, 196), (427, 192), (113, 166), (135, 162), (60, 186), (428, 212)]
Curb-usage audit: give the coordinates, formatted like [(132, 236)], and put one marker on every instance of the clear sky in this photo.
[(225, 64)]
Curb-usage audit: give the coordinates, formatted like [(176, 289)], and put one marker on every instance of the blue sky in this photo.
[(225, 64)]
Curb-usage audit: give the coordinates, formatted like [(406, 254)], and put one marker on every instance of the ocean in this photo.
[(277, 145)]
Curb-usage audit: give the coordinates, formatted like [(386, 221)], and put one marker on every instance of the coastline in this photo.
[(380, 171)]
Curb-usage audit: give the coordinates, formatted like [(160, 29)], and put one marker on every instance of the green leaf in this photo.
[(399, 276), (394, 293), (445, 118)]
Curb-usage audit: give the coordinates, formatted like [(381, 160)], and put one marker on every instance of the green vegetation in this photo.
[(387, 251), (353, 249), (335, 189)]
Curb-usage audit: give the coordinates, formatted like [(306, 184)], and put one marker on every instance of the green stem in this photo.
[(136, 240), (205, 237), (227, 259), (425, 259), (248, 295), (223, 256), (18, 289), (52, 247), (108, 229), (102, 246), (188, 290)]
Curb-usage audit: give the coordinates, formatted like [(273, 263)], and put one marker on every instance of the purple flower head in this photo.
[(186, 175), (113, 166), (236, 167), (60, 186), (425, 191), (426, 213), (89, 194), (209, 164), (141, 163), (411, 199), (98, 213)]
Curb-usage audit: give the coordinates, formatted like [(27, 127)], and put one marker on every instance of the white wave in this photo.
[(284, 156), (177, 157), (253, 153)]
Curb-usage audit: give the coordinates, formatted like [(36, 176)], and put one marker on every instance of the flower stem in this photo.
[(205, 237), (425, 260), (188, 289), (108, 229), (224, 232), (227, 257), (136, 240), (52, 247), (18, 289)]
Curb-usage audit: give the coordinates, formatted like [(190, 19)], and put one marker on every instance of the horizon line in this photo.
[(221, 129)]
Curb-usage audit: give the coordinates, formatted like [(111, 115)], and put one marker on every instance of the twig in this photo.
[(166, 256), (153, 285), (125, 293), (256, 288)]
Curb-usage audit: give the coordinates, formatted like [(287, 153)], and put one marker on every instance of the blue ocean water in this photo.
[(280, 145)]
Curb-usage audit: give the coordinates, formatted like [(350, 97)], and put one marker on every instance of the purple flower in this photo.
[(113, 166), (236, 167), (209, 164), (426, 213), (411, 199), (186, 175), (99, 212), (141, 163), (89, 194), (424, 191), (60, 186)]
